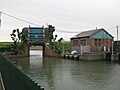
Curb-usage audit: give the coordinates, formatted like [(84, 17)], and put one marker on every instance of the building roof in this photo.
[(88, 33)]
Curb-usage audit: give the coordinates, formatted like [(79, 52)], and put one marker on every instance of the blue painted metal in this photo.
[(102, 34), (35, 33)]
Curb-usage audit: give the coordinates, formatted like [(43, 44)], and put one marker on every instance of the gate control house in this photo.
[(35, 35), (98, 40)]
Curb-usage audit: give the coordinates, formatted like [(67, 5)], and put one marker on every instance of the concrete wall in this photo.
[(49, 52), (93, 56), (115, 57)]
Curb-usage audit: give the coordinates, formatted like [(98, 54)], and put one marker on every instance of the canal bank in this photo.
[(95, 56)]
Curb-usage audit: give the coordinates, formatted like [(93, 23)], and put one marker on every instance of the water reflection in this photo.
[(63, 74), (22, 63)]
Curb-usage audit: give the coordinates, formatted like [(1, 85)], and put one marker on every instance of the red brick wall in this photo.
[(107, 42), (91, 42), (49, 52)]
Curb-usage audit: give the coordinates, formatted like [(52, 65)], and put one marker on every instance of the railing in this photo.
[(14, 79), (1, 83)]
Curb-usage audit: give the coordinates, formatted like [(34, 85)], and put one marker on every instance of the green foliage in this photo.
[(57, 46), (67, 46), (51, 29), (51, 37), (20, 41), (61, 47), (5, 44)]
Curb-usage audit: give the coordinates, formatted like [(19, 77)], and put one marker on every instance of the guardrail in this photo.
[(14, 79)]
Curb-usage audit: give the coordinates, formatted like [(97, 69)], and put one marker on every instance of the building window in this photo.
[(95, 42), (75, 42), (98, 42), (83, 41)]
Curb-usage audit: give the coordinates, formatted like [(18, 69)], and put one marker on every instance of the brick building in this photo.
[(98, 40)]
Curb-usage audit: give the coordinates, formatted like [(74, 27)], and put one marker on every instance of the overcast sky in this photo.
[(67, 15)]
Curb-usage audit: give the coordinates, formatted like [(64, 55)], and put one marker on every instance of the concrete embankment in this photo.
[(115, 57), (88, 56), (49, 52)]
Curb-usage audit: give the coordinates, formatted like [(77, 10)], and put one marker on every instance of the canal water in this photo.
[(64, 74)]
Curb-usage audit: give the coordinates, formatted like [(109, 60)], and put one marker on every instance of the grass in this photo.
[(5, 44)]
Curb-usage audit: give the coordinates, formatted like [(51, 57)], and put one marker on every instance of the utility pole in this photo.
[(117, 40), (117, 33), (0, 18)]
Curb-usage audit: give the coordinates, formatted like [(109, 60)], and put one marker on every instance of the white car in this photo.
[(74, 52)]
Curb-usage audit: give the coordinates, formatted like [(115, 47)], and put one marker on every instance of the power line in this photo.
[(63, 31), (31, 22), (116, 28), (19, 19), (111, 28), (58, 30)]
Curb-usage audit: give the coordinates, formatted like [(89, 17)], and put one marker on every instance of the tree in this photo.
[(60, 48), (54, 42), (20, 41), (56, 46), (51, 37), (51, 29)]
